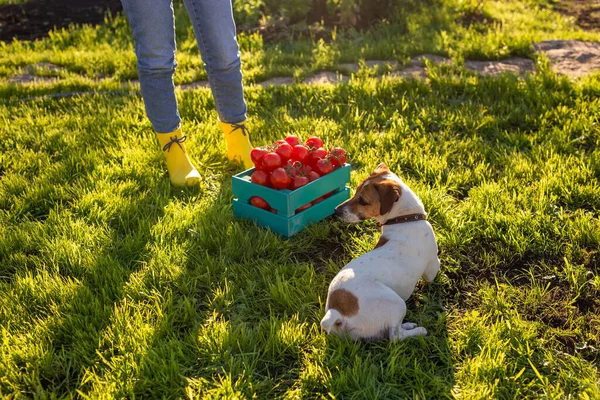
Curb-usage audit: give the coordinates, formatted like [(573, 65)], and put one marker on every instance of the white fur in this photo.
[(330, 319), (383, 279)]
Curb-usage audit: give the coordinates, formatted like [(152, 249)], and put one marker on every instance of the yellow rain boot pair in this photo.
[(238, 143), (181, 170)]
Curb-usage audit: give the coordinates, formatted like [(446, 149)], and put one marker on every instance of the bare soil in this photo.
[(585, 12), (35, 18)]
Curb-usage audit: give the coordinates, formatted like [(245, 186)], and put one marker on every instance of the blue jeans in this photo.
[(153, 26)]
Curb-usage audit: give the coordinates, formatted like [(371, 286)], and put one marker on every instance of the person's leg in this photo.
[(215, 33), (153, 25)]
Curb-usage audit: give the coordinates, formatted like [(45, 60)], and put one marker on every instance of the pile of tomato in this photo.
[(290, 164)]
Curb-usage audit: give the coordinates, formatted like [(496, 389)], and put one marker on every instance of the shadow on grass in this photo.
[(219, 330), (242, 317), (78, 340)]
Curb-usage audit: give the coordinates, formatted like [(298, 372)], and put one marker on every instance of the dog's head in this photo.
[(374, 197)]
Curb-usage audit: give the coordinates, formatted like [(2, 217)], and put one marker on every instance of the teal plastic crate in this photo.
[(287, 222)]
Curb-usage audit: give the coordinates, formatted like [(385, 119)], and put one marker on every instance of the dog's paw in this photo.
[(409, 326), (401, 333), (419, 331)]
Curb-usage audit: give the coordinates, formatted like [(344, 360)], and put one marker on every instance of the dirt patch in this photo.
[(382, 63), (194, 85), (29, 78), (558, 309), (514, 65), (35, 18), (277, 81), (32, 73), (326, 78), (586, 13), (349, 67), (46, 66), (566, 317), (416, 66), (412, 71), (432, 58), (571, 57)]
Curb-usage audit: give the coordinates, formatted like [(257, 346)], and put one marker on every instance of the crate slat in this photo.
[(288, 227), (287, 222)]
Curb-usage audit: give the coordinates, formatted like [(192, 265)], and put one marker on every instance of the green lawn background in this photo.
[(114, 284)]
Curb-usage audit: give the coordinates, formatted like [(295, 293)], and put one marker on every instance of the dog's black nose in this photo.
[(338, 211)]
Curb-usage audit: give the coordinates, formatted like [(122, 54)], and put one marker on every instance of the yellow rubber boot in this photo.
[(238, 143), (181, 170)]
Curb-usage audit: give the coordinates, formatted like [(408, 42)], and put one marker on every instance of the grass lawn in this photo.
[(114, 284)]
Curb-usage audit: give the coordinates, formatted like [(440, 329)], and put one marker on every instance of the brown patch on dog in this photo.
[(382, 240), (375, 195), (345, 302), (381, 169), (389, 193), (375, 198)]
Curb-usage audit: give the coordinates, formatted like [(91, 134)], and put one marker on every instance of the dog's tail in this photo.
[(332, 317)]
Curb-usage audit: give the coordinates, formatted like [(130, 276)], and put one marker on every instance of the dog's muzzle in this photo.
[(344, 214)]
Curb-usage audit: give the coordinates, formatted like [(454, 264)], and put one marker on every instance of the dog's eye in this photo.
[(338, 323), (362, 201)]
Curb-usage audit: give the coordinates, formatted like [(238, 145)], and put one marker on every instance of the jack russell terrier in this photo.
[(366, 299)]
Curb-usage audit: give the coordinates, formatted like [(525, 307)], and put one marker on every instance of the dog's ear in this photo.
[(332, 318), (381, 169), (389, 193)]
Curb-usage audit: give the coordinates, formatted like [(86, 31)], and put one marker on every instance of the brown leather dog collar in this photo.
[(405, 218)]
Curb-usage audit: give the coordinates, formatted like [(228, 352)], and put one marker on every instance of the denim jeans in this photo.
[(153, 26)]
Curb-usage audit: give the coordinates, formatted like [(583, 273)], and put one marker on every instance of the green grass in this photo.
[(113, 284), (420, 27)]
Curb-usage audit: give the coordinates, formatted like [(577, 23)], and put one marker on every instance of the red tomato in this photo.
[(314, 141), (271, 161), (287, 164), (320, 199), (324, 167), (274, 211), (300, 153), (313, 175), (280, 179), (259, 202), (328, 194), (306, 169), (299, 181), (293, 168), (285, 151), (257, 155), (337, 155), (316, 155), (293, 173), (260, 178), (292, 140), (304, 207)]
